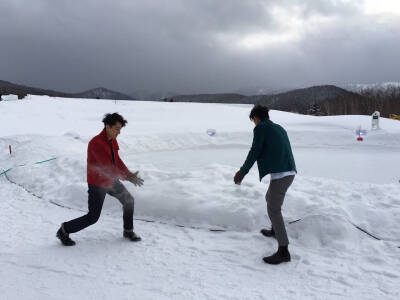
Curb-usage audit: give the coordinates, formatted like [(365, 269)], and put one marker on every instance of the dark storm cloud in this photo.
[(193, 46)]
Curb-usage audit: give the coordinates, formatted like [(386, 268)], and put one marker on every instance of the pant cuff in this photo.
[(63, 229)]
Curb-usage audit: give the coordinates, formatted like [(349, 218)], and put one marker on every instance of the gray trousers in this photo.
[(275, 196)]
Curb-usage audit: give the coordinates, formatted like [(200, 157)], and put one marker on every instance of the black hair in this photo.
[(260, 112), (112, 119)]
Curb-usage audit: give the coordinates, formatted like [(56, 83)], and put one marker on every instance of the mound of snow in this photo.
[(326, 231)]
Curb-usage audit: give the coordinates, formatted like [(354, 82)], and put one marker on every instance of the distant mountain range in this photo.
[(103, 93), (359, 87), (209, 98), (256, 91), (298, 100), (151, 95), (352, 87), (97, 93), (317, 100)]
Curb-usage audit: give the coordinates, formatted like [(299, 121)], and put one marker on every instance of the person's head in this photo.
[(258, 113), (113, 124)]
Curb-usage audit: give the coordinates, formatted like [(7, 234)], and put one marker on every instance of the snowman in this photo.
[(375, 120)]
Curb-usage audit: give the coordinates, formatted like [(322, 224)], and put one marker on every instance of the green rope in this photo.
[(4, 172), (43, 161), (35, 163)]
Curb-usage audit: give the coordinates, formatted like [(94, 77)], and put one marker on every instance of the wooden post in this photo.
[(9, 148)]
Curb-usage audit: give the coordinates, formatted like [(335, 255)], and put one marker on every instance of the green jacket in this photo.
[(271, 149)]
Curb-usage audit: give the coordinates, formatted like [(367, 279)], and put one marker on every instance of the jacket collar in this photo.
[(265, 120), (103, 135)]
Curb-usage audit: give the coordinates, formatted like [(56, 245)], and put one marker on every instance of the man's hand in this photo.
[(238, 177), (135, 179)]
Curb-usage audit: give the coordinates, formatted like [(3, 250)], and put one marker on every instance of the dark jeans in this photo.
[(95, 203)]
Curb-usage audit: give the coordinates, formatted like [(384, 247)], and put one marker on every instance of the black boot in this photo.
[(64, 237), (132, 236), (282, 255), (268, 233)]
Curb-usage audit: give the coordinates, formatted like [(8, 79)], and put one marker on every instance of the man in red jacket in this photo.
[(105, 169)]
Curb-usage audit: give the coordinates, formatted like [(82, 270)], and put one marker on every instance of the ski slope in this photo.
[(342, 211)]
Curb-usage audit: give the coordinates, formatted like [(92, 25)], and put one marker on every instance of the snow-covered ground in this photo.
[(343, 187)]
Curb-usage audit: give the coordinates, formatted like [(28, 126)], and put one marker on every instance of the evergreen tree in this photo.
[(315, 110)]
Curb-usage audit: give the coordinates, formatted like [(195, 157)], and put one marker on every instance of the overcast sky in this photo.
[(193, 46)]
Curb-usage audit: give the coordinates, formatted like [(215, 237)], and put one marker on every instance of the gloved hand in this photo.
[(135, 179), (238, 177)]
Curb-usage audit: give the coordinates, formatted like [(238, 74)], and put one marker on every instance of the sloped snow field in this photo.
[(342, 211)]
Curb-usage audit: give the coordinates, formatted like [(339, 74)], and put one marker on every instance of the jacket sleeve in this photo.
[(255, 150)]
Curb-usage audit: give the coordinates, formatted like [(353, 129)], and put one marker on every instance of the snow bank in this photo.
[(188, 174)]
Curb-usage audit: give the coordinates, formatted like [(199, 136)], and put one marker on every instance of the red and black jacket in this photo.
[(101, 170)]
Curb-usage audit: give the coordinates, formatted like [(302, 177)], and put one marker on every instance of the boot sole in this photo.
[(138, 239), (276, 263), (135, 240)]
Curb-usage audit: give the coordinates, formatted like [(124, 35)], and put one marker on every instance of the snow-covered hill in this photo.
[(103, 93), (344, 200), (381, 86)]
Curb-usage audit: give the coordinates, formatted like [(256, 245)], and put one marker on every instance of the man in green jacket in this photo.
[(273, 153)]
